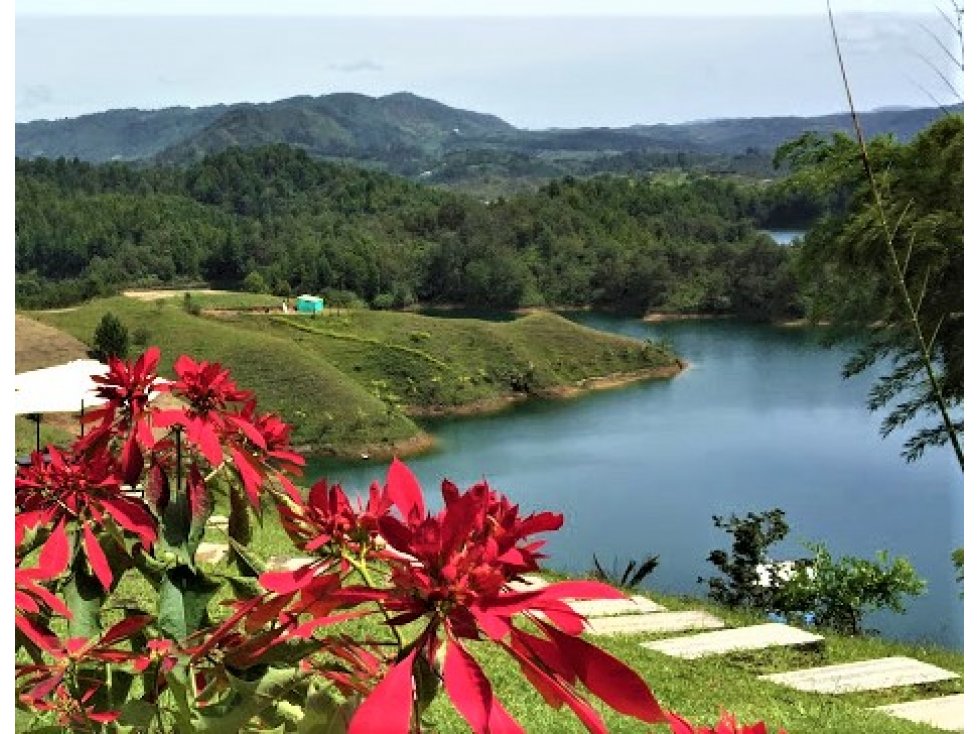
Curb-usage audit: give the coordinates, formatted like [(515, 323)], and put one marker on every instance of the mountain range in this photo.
[(415, 136)]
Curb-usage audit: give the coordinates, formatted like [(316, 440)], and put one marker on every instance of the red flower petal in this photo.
[(132, 517), (404, 491), (96, 557), (287, 582), (53, 558), (131, 460), (609, 679), (388, 707), (468, 687)]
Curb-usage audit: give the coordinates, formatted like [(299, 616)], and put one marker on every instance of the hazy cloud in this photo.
[(34, 96), (353, 67)]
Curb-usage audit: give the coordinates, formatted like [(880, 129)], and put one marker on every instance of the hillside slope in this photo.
[(349, 382)]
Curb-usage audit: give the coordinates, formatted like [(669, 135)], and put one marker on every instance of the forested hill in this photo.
[(276, 219), (414, 136)]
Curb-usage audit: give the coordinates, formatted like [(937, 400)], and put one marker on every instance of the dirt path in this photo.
[(38, 345), (158, 294)]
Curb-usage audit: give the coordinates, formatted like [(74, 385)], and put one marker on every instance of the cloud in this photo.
[(355, 67), (33, 96)]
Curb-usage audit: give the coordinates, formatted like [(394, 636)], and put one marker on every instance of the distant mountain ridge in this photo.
[(412, 135)]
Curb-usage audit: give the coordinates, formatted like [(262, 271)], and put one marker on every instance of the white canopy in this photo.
[(66, 388)]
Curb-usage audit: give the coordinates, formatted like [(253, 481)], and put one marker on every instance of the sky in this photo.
[(627, 63)]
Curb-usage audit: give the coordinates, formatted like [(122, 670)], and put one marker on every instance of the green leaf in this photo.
[(85, 597), (323, 713), (137, 713), (183, 599), (250, 699)]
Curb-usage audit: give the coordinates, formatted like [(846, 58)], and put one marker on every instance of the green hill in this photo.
[(348, 382)]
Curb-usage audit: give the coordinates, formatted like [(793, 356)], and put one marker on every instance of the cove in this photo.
[(760, 419)]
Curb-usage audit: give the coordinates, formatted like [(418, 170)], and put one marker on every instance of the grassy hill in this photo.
[(350, 382)]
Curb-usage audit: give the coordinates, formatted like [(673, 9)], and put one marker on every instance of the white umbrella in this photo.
[(65, 388)]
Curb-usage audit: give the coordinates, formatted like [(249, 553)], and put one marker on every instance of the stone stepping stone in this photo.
[(867, 675), (755, 637), (211, 553), (612, 607), (217, 522), (529, 583), (944, 712), (286, 563), (655, 622)]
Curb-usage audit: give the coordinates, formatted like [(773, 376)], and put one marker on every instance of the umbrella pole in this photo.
[(37, 431), (81, 420)]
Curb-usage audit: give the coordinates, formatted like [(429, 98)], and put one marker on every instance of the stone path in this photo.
[(654, 623), (866, 675), (529, 583), (754, 637), (945, 712), (285, 563), (211, 553), (612, 607)]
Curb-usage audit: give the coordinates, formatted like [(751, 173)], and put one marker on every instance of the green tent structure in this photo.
[(309, 304)]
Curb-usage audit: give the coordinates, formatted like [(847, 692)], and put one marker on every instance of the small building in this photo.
[(309, 304)]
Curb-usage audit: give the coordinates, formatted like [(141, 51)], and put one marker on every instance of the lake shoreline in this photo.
[(424, 442)]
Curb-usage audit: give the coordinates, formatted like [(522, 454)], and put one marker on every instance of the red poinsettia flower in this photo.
[(455, 572), (727, 724), (31, 597), (72, 713), (43, 685), (126, 388), (209, 391), (328, 517), (81, 490)]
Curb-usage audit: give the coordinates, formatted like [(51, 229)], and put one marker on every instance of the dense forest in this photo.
[(275, 219)]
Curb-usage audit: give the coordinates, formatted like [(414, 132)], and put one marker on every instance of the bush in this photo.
[(141, 337), (753, 535), (191, 305), (255, 283), (383, 302), (111, 339), (839, 594)]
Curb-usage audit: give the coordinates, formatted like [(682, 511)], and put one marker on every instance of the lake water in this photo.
[(761, 419), (784, 236)]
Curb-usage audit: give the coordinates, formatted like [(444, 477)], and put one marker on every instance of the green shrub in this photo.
[(753, 535), (111, 339), (839, 594), (383, 302), (255, 283), (191, 306)]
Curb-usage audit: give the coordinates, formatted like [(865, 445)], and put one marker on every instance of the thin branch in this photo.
[(914, 323)]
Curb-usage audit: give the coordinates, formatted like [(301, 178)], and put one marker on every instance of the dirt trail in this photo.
[(38, 345)]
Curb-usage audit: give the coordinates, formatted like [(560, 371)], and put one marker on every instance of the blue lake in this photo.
[(785, 236), (761, 419)]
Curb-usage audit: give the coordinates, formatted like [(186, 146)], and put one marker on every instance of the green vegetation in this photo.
[(841, 593), (833, 594), (111, 339), (348, 382), (282, 220), (889, 253)]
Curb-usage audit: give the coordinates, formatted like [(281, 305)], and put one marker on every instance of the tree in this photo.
[(886, 265), (111, 339)]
